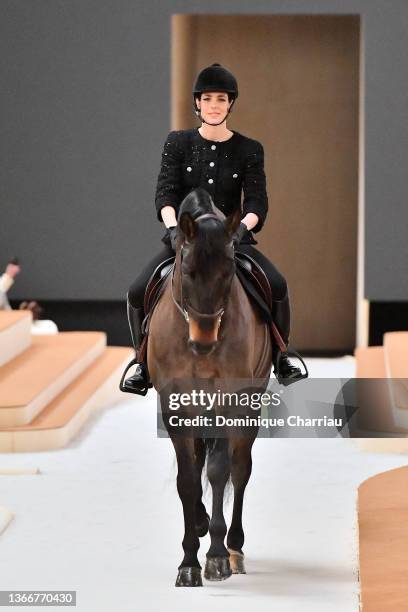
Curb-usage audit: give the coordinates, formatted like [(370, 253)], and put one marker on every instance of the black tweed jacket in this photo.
[(224, 169)]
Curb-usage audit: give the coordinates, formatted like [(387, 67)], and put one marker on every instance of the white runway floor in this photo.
[(104, 519)]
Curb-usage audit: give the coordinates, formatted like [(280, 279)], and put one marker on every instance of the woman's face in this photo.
[(213, 106)]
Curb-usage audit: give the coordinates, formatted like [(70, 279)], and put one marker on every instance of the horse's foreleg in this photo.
[(202, 518), (188, 487), (241, 466), (217, 566)]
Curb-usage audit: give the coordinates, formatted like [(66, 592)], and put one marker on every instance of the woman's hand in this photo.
[(250, 220), (169, 216)]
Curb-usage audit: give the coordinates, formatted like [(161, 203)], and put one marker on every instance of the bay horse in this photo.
[(205, 327)]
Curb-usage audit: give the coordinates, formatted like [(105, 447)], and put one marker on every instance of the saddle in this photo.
[(155, 285), (256, 285), (152, 295), (252, 278)]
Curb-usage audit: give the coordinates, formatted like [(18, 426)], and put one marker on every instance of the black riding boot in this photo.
[(288, 373), (138, 383)]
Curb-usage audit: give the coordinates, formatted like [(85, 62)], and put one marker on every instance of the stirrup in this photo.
[(122, 387), (287, 380)]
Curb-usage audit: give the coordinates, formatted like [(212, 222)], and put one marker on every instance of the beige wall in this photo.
[(298, 79)]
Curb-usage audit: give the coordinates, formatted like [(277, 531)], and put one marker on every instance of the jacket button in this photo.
[(213, 147), (212, 164), (210, 181), (189, 168)]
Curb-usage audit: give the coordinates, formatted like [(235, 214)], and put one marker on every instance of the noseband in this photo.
[(185, 310)]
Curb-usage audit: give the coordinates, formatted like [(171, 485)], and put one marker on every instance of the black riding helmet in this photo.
[(215, 78)]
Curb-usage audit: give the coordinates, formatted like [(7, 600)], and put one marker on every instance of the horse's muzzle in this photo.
[(200, 348)]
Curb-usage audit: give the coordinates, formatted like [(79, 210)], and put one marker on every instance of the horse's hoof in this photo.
[(189, 577), (217, 568), (202, 527), (237, 561)]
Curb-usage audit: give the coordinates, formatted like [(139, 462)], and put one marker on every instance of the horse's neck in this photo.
[(236, 296)]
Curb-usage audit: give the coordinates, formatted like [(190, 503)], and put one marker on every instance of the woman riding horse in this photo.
[(224, 163)]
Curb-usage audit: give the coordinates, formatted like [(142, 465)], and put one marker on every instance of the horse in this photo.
[(204, 328)]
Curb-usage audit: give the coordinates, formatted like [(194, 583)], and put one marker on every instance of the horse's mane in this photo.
[(210, 239)]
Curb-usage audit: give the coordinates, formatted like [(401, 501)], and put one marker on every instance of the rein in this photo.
[(184, 310)]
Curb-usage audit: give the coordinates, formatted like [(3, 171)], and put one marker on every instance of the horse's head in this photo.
[(206, 256)]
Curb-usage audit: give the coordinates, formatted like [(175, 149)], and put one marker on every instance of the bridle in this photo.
[(186, 309)]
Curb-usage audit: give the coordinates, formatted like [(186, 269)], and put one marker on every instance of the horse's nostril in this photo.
[(201, 349)]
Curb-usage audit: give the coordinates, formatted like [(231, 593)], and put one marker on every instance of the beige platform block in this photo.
[(376, 409), (19, 471), (34, 378), (370, 362), (383, 445), (396, 365), (383, 537), (6, 516), (396, 346), (57, 424), (15, 333)]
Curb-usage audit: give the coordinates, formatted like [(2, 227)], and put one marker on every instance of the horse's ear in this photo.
[(187, 225), (232, 222)]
